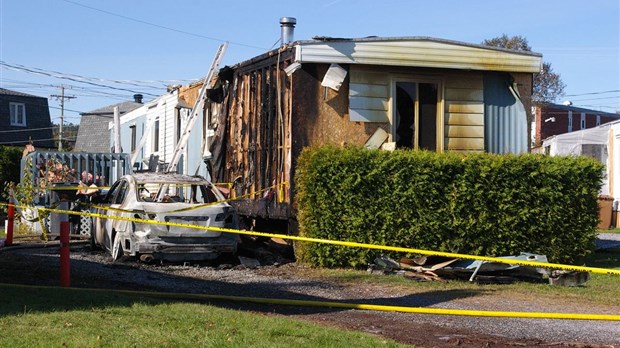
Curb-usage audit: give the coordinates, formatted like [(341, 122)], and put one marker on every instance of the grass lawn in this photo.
[(610, 230), (44, 317)]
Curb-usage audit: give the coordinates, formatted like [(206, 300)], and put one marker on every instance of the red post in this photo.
[(65, 263), (9, 228)]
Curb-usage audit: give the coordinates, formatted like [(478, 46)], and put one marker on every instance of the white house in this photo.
[(601, 143), (155, 128)]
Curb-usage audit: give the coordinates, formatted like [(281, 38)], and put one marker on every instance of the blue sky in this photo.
[(150, 43)]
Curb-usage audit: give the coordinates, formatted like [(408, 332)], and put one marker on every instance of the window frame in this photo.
[(132, 130), (156, 144), (440, 114), (13, 114)]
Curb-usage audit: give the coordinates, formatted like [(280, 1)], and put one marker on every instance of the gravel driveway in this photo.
[(94, 270)]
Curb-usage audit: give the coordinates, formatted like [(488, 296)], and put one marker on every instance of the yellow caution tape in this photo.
[(58, 188), (198, 206), (227, 184), (76, 188), (331, 304), (350, 244)]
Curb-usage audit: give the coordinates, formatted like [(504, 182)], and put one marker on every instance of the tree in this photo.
[(548, 85), (10, 160), (518, 43)]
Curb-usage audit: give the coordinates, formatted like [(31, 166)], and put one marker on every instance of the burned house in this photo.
[(405, 92)]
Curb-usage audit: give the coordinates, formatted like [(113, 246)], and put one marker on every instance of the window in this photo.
[(570, 121), (133, 137), (583, 120), (18, 114), (122, 191), (416, 110), (109, 197), (178, 125), (156, 136), (598, 120)]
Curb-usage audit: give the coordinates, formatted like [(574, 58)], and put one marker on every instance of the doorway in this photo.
[(416, 106)]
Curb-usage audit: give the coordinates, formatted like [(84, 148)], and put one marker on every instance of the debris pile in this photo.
[(442, 269), (258, 251)]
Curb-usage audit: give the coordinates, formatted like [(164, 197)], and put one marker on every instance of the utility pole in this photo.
[(62, 98)]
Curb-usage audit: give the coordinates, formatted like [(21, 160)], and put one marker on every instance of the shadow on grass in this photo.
[(29, 280), (605, 258)]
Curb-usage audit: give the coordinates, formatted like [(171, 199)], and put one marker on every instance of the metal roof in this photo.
[(93, 134), (123, 107), (416, 51)]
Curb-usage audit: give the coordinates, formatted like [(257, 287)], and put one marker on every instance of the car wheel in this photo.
[(117, 248)]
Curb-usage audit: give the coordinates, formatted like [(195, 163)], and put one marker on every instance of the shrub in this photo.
[(10, 159), (481, 204)]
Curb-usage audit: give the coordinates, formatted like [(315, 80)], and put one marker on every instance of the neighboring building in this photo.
[(408, 92), (601, 143), (94, 125), (24, 117), (553, 119), (160, 122)]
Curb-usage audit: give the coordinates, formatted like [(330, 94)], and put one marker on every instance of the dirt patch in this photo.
[(38, 263)]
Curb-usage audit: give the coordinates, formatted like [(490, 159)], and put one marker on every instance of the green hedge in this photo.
[(10, 159), (482, 204)]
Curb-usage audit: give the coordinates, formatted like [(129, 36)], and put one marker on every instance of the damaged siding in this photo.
[(417, 52), (368, 96), (464, 113), (505, 116), (259, 137)]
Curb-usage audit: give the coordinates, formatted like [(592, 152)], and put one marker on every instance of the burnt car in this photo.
[(179, 200)]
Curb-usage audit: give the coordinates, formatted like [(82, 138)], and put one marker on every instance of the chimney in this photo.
[(137, 98), (288, 30)]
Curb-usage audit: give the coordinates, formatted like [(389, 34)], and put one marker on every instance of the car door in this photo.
[(112, 201)]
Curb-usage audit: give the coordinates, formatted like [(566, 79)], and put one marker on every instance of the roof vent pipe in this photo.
[(137, 98), (287, 33)]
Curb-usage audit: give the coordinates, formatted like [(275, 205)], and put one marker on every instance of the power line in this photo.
[(615, 108), (26, 130), (161, 26), (62, 98), (19, 67), (35, 140), (604, 98), (577, 95), (137, 83)]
